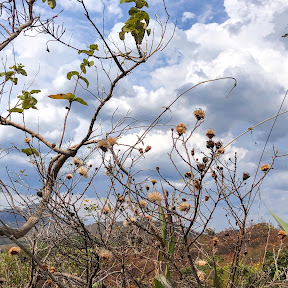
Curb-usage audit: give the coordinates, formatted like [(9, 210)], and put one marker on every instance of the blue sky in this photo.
[(235, 38)]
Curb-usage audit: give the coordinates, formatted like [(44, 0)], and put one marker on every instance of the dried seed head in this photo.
[(184, 207), (210, 144), (207, 197), (188, 175), (143, 203), (105, 254), (147, 187), (201, 262), (265, 167), (199, 114), (14, 251), (215, 241), (148, 148), (45, 267), (69, 176), (129, 221), (49, 282), (140, 150), (192, 152), (196, 184), (104, 145), (53, 145), (77, 162), (106, 210), (210, 133), (205, 159), (148, 217), (181, 129), (218, 144), (83, 172), (112, 141), (221, 151), (184, 199), (27, 140), (39, 193), (52, 269), (154, 181), (121, 199), (282, 234), (246, 175), (201, 166), (201, 275), (214, 175), (154, 196)]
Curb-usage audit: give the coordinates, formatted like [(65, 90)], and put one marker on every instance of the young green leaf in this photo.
[(30, 151), (85, 80), (52, 4), (72, 73), (18, 110)]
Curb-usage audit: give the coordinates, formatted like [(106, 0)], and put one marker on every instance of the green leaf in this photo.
[(21, 71), (29, 102), (85, 80), (82, 67), (286, 35), (2, 74), (52, 4), (94, 47), (72, 73), (57, 96), (80, 100), (283, 224), (35, 91), (30, 151), (14, 80), (91, 63), (88, 52), (157, 284), (18, 110), (216, 279)]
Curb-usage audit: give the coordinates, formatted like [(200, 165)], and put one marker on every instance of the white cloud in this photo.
[(187, 15)]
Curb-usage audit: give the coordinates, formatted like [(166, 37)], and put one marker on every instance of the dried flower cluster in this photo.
[(181, 129), (199, 114), (154, 196)]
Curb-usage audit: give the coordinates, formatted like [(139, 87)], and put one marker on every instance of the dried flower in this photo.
[(246, 175), (192, 152), (210, 133), (184, 207), (143, 203), (200, 262), (106, 210), (201, 166), (205, 159), (45, 267), (121, 199), (282, 234), (77, 162), (181, 129), (215, 241), (14, 251), (49, 282), (52, 269), (265, 167), (148, 217), (154, 196), (207, 197), (140, 150), (188, 175), (218, 144), (27, 140), (199, 114), (154, 181), (221, 151), (147, 187), (104, 145), (148, 148), (39, 193), (112, 141), (69, 176), (201, 275), (105, 254), (83, 172), (214, 175), (196, 184), (210, 144), (129, 221)]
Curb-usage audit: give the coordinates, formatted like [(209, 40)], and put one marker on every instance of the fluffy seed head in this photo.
[(14, 251), (27, 140), (218, 144), (143, 203), (69, 176), (196, 184), (221, 151), (201, 166), (199, 114), (210, 144), (129, 221), (154, 196), (104, 145), (265, 167), (188, 175), (112, 141), (181, 129), (200, 262), (106, 210), (77, 162), (210, 133), (121, 199), (83, 172), (201, 275), (184, 207), (105, 254)]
